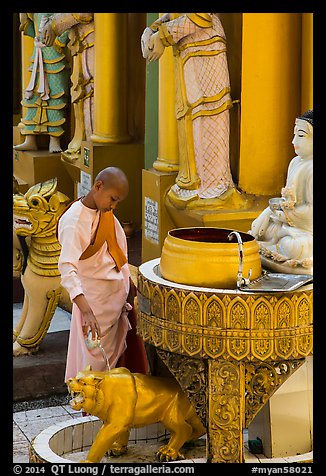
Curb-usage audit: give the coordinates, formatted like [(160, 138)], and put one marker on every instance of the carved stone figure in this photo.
[(125, 400), (46, 94), (80, 27), (35, 217), (284, 230), (202, 101)]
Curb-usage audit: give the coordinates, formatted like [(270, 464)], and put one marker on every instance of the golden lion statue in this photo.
[(125, 400), (36, 254)]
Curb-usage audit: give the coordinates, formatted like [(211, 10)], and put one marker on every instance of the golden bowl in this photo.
[(206, 257)]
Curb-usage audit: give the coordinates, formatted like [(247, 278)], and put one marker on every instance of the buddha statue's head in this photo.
[(303, 136)]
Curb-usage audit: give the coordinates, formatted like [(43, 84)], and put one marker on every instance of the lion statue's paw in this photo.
[(166, 453), (117, 450)]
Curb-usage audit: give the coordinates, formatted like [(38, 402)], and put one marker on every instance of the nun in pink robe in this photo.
[(105, 288)]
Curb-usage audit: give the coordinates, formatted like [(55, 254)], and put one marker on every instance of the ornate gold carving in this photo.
[(157, 334), (284, 345), (261, 334), (304, 312), (191, 341), (143, 286), (284, 314), (173, 307), (191, 374), (143, 327), (238, 315), (243, 326), (262, 315), (213, 346), (36, 214), (157, 303), (261, 347), (225, 393), (304, 344), (192, 310), (214, 312), (240, 346), (173, 340), (261, 381)]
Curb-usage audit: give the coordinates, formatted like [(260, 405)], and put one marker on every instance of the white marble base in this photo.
[(69, 442)]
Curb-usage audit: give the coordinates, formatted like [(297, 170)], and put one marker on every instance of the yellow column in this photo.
[(27, 43), (168, 154), (110, 78), (270, 99), (307, 62)]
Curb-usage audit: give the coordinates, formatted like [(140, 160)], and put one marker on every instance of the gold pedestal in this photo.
[(234, 211), (230, 350), (156, 221), (35, 166)]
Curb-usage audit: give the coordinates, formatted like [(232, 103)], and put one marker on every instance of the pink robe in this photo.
[(105, 289)]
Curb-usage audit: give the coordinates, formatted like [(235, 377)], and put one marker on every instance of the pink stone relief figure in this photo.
[(202, 100), (81, 45)]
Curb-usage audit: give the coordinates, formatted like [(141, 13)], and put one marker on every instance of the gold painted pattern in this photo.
[(225, 444), (197, 43), (229, 351), (250, 327), (262, 380)]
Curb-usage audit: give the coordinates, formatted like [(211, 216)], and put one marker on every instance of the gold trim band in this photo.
[(212, 112), (197, 43)]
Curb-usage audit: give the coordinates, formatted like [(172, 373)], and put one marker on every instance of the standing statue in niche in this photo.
[(202, 101), (46, 95), (81, 34), (284, 230)]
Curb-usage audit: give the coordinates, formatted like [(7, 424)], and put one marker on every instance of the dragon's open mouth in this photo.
[(77, 398), (21, 222)]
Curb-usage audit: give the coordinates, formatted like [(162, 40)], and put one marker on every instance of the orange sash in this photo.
[(105, 232)]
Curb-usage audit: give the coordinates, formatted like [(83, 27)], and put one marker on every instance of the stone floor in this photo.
[(27, 424), (31, 417)]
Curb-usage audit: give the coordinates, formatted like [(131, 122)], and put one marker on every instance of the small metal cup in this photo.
[(275, 203), (92, 343)]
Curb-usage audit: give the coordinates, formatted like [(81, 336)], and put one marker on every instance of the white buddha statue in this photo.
[(284, 230)]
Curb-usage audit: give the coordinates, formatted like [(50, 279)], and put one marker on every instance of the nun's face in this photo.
[(303, 139)]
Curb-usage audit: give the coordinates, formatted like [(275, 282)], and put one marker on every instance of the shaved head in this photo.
[(112, 177), (110, 187)]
